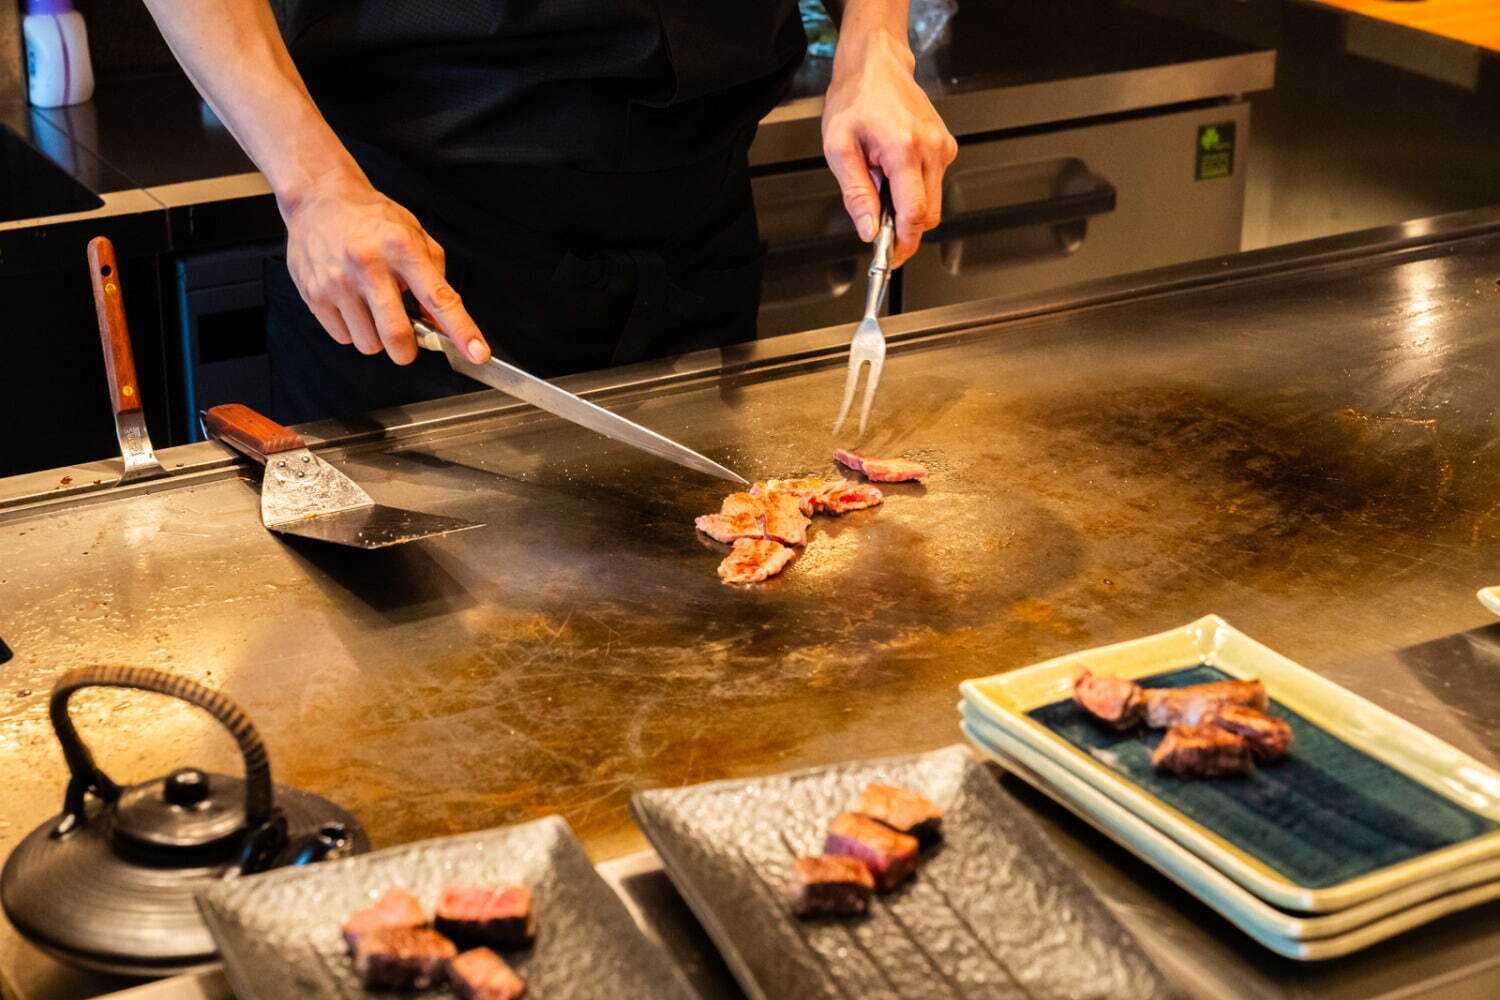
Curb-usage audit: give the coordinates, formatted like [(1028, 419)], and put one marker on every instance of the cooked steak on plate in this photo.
[(397, 908), (1269, 737), (754, 561), (499, 916), (903, 810), (830, 884), (1115, 700), (483, 975), (1203, 750), (882, 470), (1185, 706), (402, 958), (890, 856)]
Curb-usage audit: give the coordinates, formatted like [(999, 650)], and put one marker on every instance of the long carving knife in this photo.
[(543, 394)]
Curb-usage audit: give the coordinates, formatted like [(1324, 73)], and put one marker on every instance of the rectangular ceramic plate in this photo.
[(1368, 803), (1305, 938), (278, 933), (988, 913)]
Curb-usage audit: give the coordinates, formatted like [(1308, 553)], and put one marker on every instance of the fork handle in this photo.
[(880, 261), (885, 237)]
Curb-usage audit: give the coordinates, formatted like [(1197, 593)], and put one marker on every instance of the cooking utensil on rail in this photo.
[(108, 883), (543, 394), (303, 495), (119, 364), (868, 346)]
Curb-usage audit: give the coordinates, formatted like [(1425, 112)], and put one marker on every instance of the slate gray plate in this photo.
[(993, 912), (278, 933)]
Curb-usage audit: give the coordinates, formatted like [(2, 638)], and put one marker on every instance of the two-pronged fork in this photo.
[(869, 342)]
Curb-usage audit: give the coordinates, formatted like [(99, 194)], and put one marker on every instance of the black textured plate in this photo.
[(993, 912), (279, 936)]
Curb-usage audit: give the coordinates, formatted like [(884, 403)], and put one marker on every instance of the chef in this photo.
[(575, 168)]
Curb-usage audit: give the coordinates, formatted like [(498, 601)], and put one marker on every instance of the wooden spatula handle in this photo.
[(251, 432), (109, 304)]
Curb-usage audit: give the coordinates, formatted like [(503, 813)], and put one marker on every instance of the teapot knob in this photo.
[(186, 787)]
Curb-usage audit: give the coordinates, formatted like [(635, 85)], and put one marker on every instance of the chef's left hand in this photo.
[(877, 121)]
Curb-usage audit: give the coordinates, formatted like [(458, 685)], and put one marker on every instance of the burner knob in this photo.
[(186, 787)]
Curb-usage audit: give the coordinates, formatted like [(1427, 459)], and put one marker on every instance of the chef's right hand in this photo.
[(352, 252)]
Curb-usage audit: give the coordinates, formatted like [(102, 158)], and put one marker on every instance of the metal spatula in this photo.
[(119, 364), (303, 495)]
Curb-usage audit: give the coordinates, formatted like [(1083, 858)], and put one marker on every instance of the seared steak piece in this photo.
[(774, 516), (882, 470), (890, 856), (483, 975), (402, 958), (1167, 707), (486, 915), (1118, 701), (803, 489), (784, 520), (754, 561), (740, 516), (397, 908), (842, 496), (1269, 737), (903, 810), (830, 884), (1203, 750)]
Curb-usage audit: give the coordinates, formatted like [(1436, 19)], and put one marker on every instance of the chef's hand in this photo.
[(352, 252), (878, 122)]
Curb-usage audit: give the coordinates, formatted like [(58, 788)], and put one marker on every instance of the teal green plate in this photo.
[(1327, 814), (1366, 805)]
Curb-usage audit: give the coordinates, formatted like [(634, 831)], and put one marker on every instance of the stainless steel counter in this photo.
[(1299, 440)]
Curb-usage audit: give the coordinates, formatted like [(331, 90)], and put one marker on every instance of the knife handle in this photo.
[(109, 305), (253, 433)]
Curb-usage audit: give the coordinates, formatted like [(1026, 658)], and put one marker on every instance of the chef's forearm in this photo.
[(233, 52), (858, 20)]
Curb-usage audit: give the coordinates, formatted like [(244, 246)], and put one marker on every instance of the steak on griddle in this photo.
[(882, 470), (754, 560)]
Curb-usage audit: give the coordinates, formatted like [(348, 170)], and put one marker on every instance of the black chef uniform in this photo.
[(582, 162)]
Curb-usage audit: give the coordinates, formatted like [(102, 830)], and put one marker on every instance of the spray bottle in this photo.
[(58, 69)]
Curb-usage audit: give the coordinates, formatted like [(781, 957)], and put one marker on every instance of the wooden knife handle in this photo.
[(109, 304), (253, 433)]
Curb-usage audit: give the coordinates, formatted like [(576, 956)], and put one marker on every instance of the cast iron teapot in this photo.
[(108, 884)]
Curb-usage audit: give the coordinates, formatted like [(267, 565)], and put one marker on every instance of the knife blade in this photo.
[(543, 394)]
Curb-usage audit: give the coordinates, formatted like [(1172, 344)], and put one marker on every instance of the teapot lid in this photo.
[(187, 808)]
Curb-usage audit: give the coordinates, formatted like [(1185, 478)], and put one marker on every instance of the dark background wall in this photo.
[(123, 38)]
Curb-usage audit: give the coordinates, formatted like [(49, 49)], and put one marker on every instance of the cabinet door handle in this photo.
[(1096, 199)]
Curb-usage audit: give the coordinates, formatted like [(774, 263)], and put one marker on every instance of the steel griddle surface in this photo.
[(1311, 455)]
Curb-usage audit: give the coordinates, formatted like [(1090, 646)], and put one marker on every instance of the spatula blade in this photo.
[(374, 527)]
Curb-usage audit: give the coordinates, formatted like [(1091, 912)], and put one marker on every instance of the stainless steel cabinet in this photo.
[(1023, 212)]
